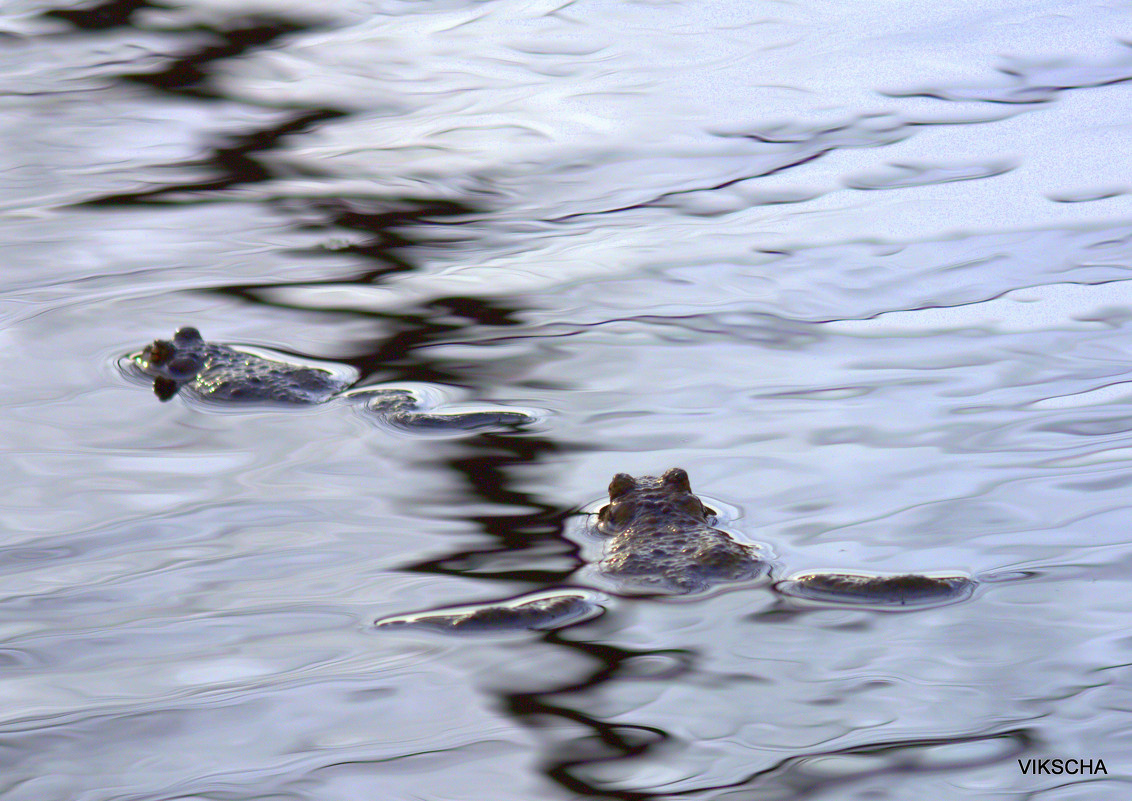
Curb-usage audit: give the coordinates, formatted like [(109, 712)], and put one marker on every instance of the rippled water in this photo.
[(860, 268)]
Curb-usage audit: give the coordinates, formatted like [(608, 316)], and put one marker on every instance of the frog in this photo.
[(660, 536), (223, 374)]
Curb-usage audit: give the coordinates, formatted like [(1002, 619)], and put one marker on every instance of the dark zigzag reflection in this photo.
[(528, 530)]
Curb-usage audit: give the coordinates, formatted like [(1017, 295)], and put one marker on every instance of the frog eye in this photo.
[(187, 336), (615, 515), (159, 351), (677, 479), (621, 484)]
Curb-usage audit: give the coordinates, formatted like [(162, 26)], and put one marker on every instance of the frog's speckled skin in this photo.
[(661, 537), (218, 372)]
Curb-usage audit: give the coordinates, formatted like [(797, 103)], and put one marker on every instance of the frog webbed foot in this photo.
[(165, 388), (907, 590), (541, 614), (458, 421)]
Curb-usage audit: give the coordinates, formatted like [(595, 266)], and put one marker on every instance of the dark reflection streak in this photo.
[(614, 741), (1000, 101), (771, 323), (112, 14), (185, 75), (733, 181), (484, 461), (399, 349), (772, 327), (1021, 94), (234, 160), (483, 464), (730, 182), (976, 302), (767, 139), (791, 779), (386, 230)]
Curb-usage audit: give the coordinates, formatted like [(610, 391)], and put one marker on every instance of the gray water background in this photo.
[(861, 268)]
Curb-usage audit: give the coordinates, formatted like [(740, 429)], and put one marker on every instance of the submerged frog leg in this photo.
[(548, 612), (902, 590)]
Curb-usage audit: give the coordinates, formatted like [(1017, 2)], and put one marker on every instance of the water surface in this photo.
[(861, 270)]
